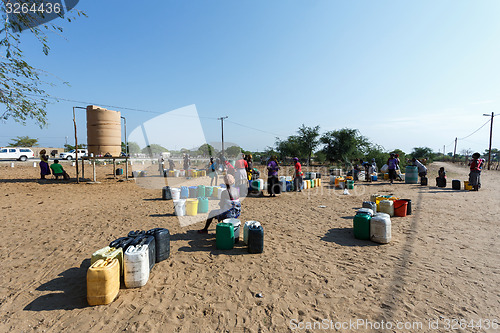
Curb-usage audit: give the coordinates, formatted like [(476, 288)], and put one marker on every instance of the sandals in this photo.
[(203, 231)]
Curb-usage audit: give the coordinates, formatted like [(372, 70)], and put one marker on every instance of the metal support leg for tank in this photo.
[(93, 166), (114, 168), (83, 168), (126, 168)]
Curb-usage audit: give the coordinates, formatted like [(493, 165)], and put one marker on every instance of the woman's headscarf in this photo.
[(295, 159), (229, 180)]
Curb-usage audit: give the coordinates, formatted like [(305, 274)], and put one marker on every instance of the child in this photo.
[(230, 205), (441, 178)]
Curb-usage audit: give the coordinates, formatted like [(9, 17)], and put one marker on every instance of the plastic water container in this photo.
[(318, 175), (136, 266), (456, 184), (305, 184), (288, 178), (162, 242), (408, 207), (177, 173), (245, 229), (283, 185), (143, 174), (202, 205), (332, 180), (119, 172), (336, 172), (106, 253), (176, 193), (341, 184), (182, 173), (411, 174), (219, 193), (180, 207), (282, 178), (191, 207), (313, 175), (215, 192), (255, 239), (370, 204), (122, 242), (149, 241), (374, 178), (165, 193), (387, 206), (184, 192), (361, 226), (236, 227), (424, 181), (311, 183), (171, 173), (467, 187), (193, 191), (134, 234), (400, 208), (382, 214), (209, 190), (135, 174), (373, 197), (224, 236), (380, 229), (367, 211), (350, 184), (201, 191), (289, 186), (103, 281)]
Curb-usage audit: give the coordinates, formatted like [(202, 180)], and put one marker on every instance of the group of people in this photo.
[(45, 169)]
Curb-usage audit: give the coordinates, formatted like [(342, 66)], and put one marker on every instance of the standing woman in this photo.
[(212, 171), (44, 164), (393, 164), (249, 166), (475, 171), (272, 176), (297, 179)]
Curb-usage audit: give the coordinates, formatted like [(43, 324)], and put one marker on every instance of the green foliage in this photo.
[(21, 85), (23, 141), (288, 148), (344, 145), (402, 157), (308, 139), (378, 153), (133, 148), (422, 152), (68, 147), (206, 150), (153, 149), (233, 151), (320, 157)]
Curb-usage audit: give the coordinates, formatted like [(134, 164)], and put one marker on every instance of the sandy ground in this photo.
[(443, 261)]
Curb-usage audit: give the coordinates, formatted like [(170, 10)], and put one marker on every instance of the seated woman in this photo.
[(441, 178), (230, 206), (58, 171)]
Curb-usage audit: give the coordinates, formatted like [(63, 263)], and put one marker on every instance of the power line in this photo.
[(255, 129), (465, 137)]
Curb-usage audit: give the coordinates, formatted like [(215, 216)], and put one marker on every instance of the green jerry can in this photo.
[(202, 205), (361, 226), (224, 236)]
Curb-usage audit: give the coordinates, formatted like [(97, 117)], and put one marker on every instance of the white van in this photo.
[(71, 155), (15, 153)]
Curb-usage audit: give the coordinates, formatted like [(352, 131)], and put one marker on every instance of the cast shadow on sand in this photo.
[(68, 291), (48, 181), (345, 237), (206, 242)]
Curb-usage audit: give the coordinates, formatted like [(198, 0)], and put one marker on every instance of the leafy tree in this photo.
[(68, 147), (153, 149), (308, 139), (23, 141), (402, 157), (233, 151), (377, 152), (289, 147), (22, 91), (422, 152), (206, 150), (344, 145), (133, 148)]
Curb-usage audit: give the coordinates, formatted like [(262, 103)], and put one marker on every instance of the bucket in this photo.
[(224, 236), (180, 207), (374, 178), (350, 184), (176, 193), (400, 208), (191, 207), (386, 176), (236, 227), (408, 207), (202, 205), (467, 187)]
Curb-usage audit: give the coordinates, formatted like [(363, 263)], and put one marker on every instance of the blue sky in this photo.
[(405, 74)]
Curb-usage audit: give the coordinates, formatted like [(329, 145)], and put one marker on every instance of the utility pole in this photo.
[(455, 150), (222, 127), (491, 137), (444, 150)]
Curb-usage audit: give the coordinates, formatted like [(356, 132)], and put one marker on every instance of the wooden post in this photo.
[(93, 163), (114, 168), (83, 168), (76, 147)]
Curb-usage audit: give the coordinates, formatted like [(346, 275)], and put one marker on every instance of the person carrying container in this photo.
[(297, 178), (476, 165), (230, 205), (422, 170)]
